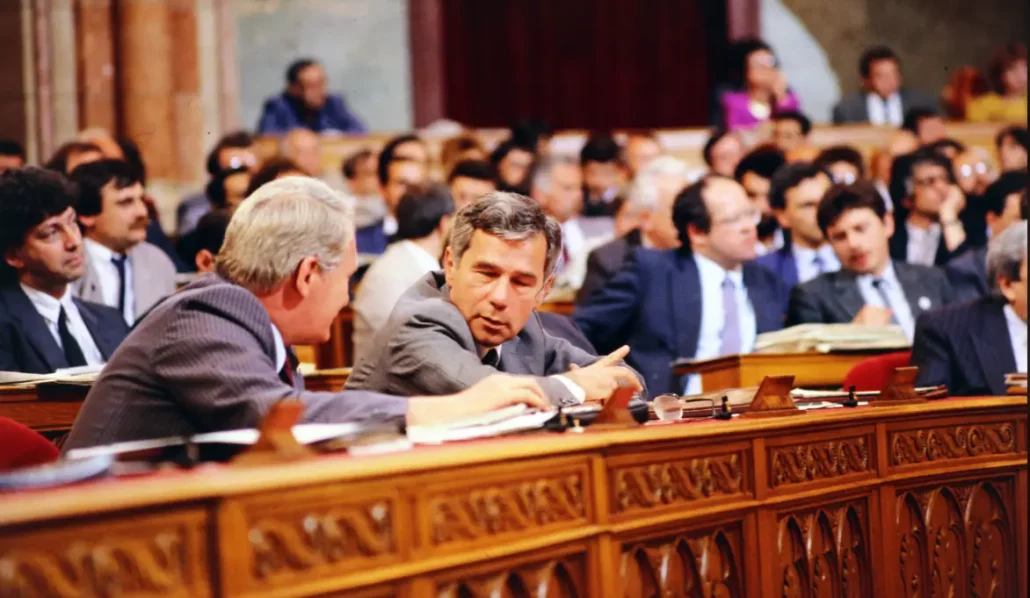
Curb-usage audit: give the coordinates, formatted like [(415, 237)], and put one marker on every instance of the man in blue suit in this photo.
[(794, 196), (43, 327), (307, 103), (701, 301)]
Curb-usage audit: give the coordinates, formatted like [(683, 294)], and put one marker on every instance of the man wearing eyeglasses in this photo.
[(706, 299)]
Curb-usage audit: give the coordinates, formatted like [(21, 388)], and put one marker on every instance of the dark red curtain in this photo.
[(583, 64)]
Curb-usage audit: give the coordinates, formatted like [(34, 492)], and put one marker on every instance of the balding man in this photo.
[(216, 355), (302, 146)]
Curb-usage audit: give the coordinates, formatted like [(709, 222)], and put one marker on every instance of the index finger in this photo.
[(615, 356)]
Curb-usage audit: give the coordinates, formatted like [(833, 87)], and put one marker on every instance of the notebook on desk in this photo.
[(826, 338)]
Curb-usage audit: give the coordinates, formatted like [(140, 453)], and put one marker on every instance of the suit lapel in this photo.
[(141, 284), (97, 330), (920, 298), (789, 270), (768, 315), (990, 337), (88, 287), (685, 304), (35, 329), (847, 298)]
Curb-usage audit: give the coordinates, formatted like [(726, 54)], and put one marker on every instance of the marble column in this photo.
[(96, 66), (187, 107)]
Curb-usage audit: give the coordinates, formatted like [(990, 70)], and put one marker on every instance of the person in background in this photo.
[(971, 347), (304, 148), (926, 124), (869, 289), (122, 269), (763, 91), (932, 231), (408, 146), (1012, 144), (69, 156), (306, 102), (947, 147), (1007, 103), (234, 150), (558, 188), (843, 162), (462, 148), (1004, 204), (755, 172), (794, 196), (513, 163), (602, 175), (535, 134), (12, 155), (359, 172), (966, 84), (722, 152), (973, 172), (880, 163), (423, 221), (210, 233), (43, 326), (641, 148), (225, 191), (398, 170), (270, 170), (469, 180), (882, 102), (790, 130)]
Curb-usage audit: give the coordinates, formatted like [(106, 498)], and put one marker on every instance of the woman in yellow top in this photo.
[(1008, 76)]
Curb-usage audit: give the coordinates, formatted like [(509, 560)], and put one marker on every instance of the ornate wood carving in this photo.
[(694, 565), (564, 578), (355, 534), (910, 447), (956, 540), (472, 514), (676, 481), (801, 463), (825, 552)]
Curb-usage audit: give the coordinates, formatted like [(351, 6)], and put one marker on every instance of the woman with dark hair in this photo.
[(763, 88), (1008, 77)]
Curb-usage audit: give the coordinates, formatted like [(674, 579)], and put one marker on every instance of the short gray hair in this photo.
[(280, 224), (643, 191), (510, 216), (543, 172), (1006, 254)]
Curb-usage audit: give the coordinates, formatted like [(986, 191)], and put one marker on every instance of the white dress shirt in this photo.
[(280, 349), (100, 257), (885, 195), (805, 260), (389, 225), (879, 115), (50, 309), (895, 294), (923, 244), (1017, 334), (713, 315), (577, 392)]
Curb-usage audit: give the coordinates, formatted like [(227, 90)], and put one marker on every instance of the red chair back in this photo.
[(21, 446), (872, 374)]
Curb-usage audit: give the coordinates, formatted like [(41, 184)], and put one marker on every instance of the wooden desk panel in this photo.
[(52, 413), (845, 502), (810, 370)]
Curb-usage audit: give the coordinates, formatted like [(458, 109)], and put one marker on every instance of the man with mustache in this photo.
[(477, 317), (43, 327), (122, 270)]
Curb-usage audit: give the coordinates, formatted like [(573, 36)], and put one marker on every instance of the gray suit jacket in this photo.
[(201, 361), (834, 298), (153, 278), (852, 107), (426, 347)]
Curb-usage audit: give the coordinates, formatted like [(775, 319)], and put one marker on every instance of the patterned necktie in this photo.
[(72, 351), (731, 323), (119, 264), (289, 367), (881, 287)]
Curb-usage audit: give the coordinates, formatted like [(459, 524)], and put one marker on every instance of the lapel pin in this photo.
[(925, 303)]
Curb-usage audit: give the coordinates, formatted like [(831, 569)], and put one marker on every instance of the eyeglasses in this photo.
[(968, 170), (238, 162), (845, 178)]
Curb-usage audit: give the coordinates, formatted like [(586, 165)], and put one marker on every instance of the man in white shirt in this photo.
[(423, 220), (43, 327), (122, 270), (882, 101), (397, 174), (557, 186), (932, 233)]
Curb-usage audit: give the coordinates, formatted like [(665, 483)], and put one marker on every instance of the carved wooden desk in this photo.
[(810, 370), (914, 500), (51, 412)]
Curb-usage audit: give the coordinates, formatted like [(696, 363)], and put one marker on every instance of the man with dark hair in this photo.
[(70, 155), (642, 147), (722, 152), (471, 179), (882, 101), (1004, 204), (43, 326), (870, 288), (306, 102), (359, 172), (477, 317), (602, 175), (703, 300), (122, 269), (1012, 144), (790, 130), (794, 196), (12, 155), (423, 220), (513, 162), (755, 172), (843, 162), (926, 124), (210, 233), (401, 165), (932, 232), (232, 152), (533, 133), (947, 147)]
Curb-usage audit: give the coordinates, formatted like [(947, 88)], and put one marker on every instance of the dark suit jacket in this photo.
[(899, 246), (852, 107), (781, 263), (203, 360), (282, 113), (834, 298), (371, 239), (968, 274), (26, 344), (966, 347), (605, 261), (654, 305)]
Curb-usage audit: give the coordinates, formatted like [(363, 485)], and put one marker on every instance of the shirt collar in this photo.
[(933, 231), (280, 349), (888, 275), (100, 253), (389, 225), (709, 269), (47, 305), (1017, 327)]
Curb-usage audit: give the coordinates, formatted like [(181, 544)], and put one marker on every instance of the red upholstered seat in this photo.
[(21, 446), (871, 374)]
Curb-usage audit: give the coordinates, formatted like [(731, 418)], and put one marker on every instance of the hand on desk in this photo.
[(872, 315), (489, 394), (601, 378)]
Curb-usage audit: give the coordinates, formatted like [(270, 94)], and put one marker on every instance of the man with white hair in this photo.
[(970, 347), (557, 185), (646, 215), (216, 355)]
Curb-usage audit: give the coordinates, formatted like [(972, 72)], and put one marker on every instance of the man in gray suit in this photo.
[(123, 271), (217, 356), (870, 288), (454, 328), (882, 101)]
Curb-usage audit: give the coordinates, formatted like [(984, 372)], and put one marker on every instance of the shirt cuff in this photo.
[(577, 393)]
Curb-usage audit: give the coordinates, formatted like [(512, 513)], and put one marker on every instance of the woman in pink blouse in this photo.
[(765, 89)]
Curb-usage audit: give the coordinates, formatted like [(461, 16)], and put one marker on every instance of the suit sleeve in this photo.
[(930, 353), (803, 307), (350, 121), (595, 277), (562, 355), (223, 377), (606, 316), (8, 354), (271, 122)]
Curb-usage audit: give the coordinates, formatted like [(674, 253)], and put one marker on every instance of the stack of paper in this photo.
[(85, 374), (832, 337), (1016, 380), (516, 418)]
